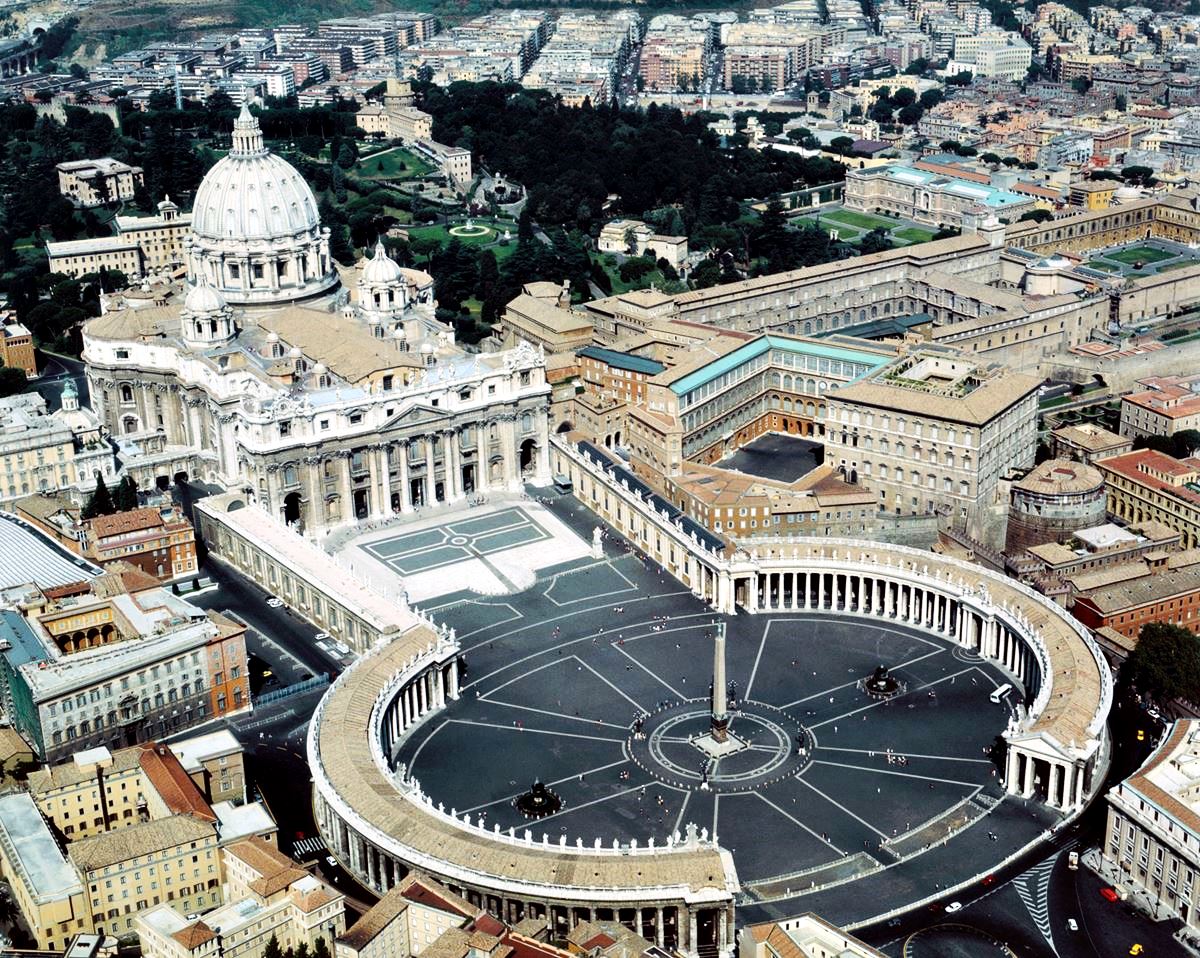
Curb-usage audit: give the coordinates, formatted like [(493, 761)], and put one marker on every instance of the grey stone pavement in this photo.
[(1026, 908), (556, 676)]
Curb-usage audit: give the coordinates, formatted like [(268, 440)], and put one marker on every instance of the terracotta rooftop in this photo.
[(173, 784), (390, 907), (194, 935), (121, 523)]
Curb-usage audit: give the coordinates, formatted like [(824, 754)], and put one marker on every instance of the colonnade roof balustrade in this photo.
[(350, 772), (1076, 685)]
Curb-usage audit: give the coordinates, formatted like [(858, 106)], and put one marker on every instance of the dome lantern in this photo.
[(247, 134)]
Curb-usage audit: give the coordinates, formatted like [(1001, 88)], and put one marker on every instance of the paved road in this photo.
[(274, 735), (1028, 906)]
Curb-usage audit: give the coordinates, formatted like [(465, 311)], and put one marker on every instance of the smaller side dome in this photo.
[(381, 269), (203, 299)]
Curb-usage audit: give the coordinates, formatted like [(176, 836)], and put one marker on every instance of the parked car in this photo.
[(1072, 925), (953, 907), (274, 602), (1108, 894)]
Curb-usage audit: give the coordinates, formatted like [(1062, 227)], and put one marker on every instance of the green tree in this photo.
[(12, 381), (843, 145), (1165, 663), (1138, 175), (1081, 84), (125, 497), (876, 241), (1036, 216), (100, 502), (272, 949)]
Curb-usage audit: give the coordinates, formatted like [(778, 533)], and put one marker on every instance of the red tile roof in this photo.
[(135, 520), (489, 925), (173, 784)]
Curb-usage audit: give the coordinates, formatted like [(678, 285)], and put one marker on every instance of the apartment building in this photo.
[(543, 317), (172, 861), (406, 921), (16, 345), (742, 507), (216, 763), (269, 897), (138, 835), (115, 660), (1087, 443), (45, 888), (1167, 405), (802, 935), (139, 245), (1125, 598), (158, 540)]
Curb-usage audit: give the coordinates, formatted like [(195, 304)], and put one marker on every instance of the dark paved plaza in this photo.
[(827, 784)]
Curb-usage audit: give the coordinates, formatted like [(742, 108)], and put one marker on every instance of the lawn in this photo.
[(844, 232), (913, 234), (1184, 264), (442, 234), (620, 286), (861, 220), (393, 165), (1103, 266), (1145, 254)]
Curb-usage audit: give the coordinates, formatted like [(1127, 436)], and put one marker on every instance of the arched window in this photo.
[(126, 392)]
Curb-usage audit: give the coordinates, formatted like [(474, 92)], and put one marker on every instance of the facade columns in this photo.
[(430, 481), (345, 493), (385, 480), (316, 501), (405, 484)]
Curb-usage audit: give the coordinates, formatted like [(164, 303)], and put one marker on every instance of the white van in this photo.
[(998, 696)]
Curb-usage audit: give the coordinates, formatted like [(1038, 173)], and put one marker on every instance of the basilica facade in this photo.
[(324, 398)]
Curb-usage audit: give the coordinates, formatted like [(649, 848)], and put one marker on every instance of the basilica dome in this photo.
[(256, 234)]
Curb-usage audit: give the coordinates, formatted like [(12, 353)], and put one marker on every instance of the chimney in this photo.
[(564, 297)]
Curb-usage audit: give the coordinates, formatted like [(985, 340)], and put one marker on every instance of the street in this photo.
[(1028, 906)]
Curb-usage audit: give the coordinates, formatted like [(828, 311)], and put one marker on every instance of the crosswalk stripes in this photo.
[(307, 848), (1033, 888)]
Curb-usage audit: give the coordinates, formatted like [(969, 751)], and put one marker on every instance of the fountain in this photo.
[(882, 684), (538, 802)]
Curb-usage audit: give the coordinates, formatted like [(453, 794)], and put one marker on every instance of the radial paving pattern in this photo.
[(597, 683)]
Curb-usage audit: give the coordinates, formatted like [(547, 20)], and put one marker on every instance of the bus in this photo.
[(998, 696)]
